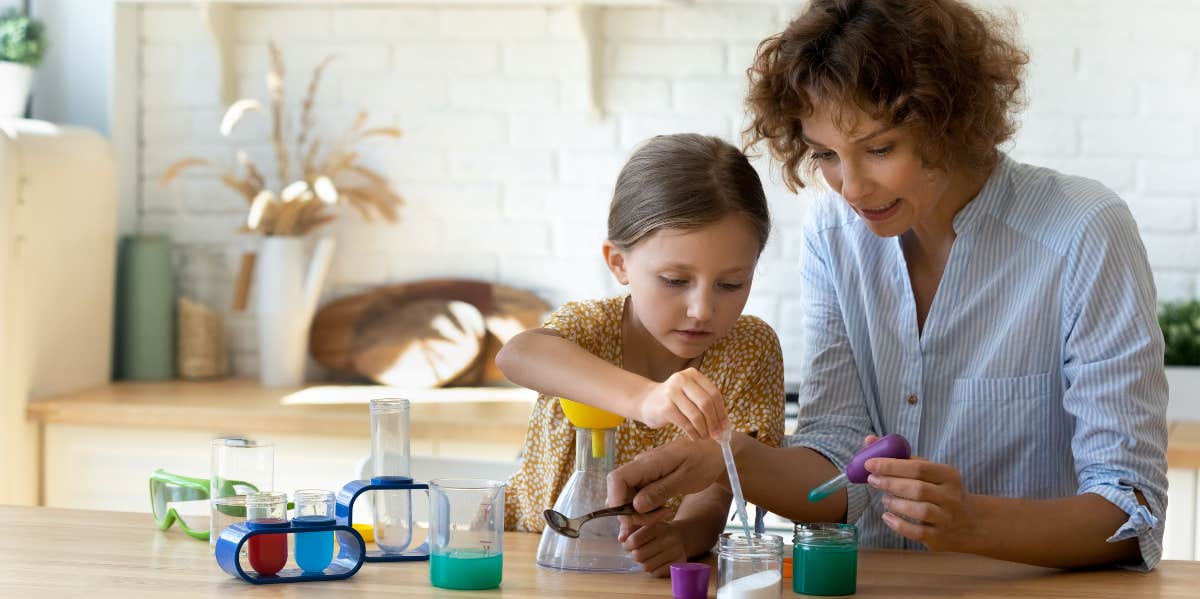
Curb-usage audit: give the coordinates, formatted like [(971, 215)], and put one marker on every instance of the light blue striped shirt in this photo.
[(1039, 372)]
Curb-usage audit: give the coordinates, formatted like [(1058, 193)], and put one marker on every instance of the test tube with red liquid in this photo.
[(268, 553)]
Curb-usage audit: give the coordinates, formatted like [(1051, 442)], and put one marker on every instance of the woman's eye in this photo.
[(731, 286), (884, 151), (669, 282), (826, 155)]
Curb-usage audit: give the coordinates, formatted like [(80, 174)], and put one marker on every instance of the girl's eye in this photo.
[(884, 151), (669, 282), (826, 155), (731, 286)]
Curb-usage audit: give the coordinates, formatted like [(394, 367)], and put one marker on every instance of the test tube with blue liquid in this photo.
[(314, 550), (888, 446)]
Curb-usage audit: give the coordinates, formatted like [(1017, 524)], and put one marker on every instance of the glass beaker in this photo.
[(824, 558), (314, 550), (240, 467), (749, 568), (466, 533), (597, 548), (268, 553), (391, 510)]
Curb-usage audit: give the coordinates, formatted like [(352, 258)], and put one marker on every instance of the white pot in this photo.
[(15, 80), (288, 285), (1184, 403)]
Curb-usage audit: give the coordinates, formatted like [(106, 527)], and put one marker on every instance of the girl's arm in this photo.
[(542, 360), (701, 518), (657, 545)]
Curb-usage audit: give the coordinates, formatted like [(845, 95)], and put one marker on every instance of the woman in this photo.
[(998, 315)]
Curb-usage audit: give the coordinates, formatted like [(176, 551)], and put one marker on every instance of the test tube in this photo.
[(314, 550), (268, 553), (392, 510)]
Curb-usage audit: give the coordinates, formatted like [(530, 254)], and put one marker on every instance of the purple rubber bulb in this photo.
[(888, 446)]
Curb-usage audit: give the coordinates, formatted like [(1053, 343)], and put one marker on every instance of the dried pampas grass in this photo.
[(337, 177)]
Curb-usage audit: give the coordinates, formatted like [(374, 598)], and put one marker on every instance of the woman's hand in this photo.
[(688, 400), (677, 468), (925, 502), (656, 546)]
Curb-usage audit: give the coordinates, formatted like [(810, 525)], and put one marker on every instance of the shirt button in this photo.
[(912, 400)]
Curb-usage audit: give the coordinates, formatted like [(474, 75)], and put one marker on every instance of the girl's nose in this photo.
[(701, 306)]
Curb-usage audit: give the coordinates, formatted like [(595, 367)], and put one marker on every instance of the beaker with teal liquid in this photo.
[(313, 550), (466, 533), (825, 559)]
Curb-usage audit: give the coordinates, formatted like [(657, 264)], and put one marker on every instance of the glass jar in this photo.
[(749, 568), (825, 558)]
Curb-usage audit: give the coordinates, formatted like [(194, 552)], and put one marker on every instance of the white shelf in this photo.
[(219, 14)]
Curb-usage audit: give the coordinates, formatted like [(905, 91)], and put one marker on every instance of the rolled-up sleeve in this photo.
[(833, 417), (1116, 387)]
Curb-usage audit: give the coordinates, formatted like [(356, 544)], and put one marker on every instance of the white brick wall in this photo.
[(507, 178)]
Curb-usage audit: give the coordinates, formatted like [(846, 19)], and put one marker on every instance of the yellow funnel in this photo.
[(585, 416)]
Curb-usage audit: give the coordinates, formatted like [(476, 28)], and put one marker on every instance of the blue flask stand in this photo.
[(345, 511)]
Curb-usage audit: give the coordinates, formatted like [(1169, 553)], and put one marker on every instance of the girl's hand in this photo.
[(688, 400), (925, 502), (656, 546)]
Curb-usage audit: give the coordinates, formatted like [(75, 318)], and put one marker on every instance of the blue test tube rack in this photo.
[(345, 512), (351, 552)]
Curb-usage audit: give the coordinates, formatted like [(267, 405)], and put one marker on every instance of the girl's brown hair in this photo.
[(948, 72), (685, 181)]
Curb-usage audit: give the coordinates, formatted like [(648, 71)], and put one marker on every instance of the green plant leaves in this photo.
[(1180, 323), (22, 39)]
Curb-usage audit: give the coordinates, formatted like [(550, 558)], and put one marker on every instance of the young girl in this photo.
[(675, 356)]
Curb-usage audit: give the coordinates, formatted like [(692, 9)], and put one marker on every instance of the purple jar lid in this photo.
[(689, 580)]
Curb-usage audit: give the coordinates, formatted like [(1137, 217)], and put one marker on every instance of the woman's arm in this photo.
[(776, 478), (1068, 532)]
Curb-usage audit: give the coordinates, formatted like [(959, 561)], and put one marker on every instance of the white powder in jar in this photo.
[(761, 585)]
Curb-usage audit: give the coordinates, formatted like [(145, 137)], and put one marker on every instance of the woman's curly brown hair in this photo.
[(948, 72)]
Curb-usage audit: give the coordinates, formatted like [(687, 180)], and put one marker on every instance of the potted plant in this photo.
[(22, 45), (1180, 323), (312, 177)]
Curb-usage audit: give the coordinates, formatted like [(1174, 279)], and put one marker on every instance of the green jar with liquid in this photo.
[(824, 559)]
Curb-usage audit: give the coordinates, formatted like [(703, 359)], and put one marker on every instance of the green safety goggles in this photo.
[(167, 489)]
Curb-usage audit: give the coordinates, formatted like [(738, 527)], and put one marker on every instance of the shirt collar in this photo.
[(987, 199)]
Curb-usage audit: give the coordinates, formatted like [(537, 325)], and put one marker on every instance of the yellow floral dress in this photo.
[(746, 366)]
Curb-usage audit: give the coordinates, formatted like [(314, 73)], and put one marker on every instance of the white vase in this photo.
[(288, 285), (15, 80)]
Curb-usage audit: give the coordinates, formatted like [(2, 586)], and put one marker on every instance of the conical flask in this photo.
[(597, 548)]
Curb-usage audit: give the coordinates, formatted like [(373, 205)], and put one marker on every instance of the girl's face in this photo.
[(877, 170), (687, 287)]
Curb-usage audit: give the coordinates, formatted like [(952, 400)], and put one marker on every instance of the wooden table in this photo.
[(50, 552)]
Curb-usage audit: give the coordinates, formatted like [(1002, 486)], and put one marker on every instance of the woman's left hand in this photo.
[(925, 502)]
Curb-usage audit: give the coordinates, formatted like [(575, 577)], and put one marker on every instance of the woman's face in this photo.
[(688, 287), (876, 169)]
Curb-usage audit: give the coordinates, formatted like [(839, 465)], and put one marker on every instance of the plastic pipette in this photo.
[(735, 483), (888, 446)]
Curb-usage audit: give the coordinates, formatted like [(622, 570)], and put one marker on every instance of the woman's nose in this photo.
[(855, 186)]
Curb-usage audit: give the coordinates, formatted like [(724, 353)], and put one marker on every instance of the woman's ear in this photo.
[(614, 258)]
